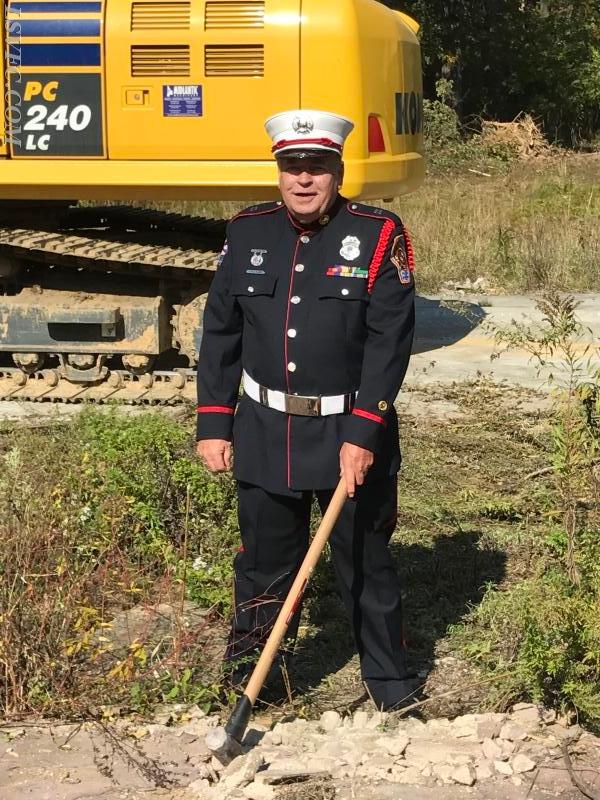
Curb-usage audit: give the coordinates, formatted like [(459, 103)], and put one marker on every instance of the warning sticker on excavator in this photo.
[(56, 114), (184, 100)]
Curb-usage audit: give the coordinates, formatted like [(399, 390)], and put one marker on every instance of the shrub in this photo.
[(540, 638), (449, 146), (97, 516)]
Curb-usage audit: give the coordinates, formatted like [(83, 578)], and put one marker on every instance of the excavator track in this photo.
[(77, 251), (118, 238), (113, 240), (160, 388), (123, 217)]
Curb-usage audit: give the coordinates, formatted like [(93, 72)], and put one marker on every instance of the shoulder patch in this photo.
[(402, 257), (222, 254), (399, 259)]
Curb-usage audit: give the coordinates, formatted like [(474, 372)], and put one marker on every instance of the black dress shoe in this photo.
[(396, 695)]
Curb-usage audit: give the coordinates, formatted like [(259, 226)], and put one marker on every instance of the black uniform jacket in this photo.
[(327, 309)]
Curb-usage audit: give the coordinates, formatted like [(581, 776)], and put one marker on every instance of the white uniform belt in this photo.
[(298, 404)]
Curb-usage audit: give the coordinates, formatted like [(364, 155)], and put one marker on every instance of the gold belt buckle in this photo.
[(302, 406)]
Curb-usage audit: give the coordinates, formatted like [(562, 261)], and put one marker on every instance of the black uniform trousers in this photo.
[(275, 538)]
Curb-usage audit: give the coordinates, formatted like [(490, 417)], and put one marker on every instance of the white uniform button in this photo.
[(291, 367), (299, 267), (305, 239), (251, 289), (292, 333), (345, 292), (295, 300)]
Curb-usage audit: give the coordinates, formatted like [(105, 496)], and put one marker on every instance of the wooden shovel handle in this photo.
[(261, 670)]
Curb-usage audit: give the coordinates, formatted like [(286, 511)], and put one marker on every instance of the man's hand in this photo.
[(217, 454), (355, 462)]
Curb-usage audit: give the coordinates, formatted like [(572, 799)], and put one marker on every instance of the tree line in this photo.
[(508, 56)]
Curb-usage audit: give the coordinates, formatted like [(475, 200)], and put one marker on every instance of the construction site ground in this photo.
[(456, 382)]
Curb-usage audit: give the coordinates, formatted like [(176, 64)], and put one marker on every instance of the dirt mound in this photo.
[(522, 135)]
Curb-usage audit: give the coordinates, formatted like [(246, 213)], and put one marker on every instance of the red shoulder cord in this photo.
[(384, 239)]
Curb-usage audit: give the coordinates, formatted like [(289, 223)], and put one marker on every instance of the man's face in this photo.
[(309, 185)]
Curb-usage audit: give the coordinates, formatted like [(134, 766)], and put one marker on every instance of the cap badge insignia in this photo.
[(257, 259), (350, 248), (303, 124)]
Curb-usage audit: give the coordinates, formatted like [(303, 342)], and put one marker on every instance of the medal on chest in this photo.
[(257, 259)]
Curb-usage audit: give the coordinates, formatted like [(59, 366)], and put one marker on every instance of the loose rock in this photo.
[(436, 752), (503, 767), (527, 717), (200, 789), (443, 772), (483, 771), (410, 777), (242, 770), (330, 720), (489, 726), (508, 747), (361, 718), (521, 763), (259, 791), (463, 775), (394, 746), (492, 751), (513, 732)]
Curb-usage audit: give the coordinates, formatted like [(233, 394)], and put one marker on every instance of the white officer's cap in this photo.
[(302, 133)]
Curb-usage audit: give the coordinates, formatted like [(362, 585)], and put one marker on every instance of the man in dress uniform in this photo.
[(311, 311)]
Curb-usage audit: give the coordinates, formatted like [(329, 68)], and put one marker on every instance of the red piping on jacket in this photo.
[(289, 142), (258, 213), (285, 351), (215, 410), (373, 417), (296, 225), (287, 315), (389, 226), (289, 446)]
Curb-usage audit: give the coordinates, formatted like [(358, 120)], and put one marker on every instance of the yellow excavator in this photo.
[(114, 101)]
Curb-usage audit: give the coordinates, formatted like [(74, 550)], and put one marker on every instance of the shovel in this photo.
[(226, 742)]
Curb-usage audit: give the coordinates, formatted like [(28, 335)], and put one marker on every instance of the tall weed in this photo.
[(532, 229), (96, 517), (544, 632)]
